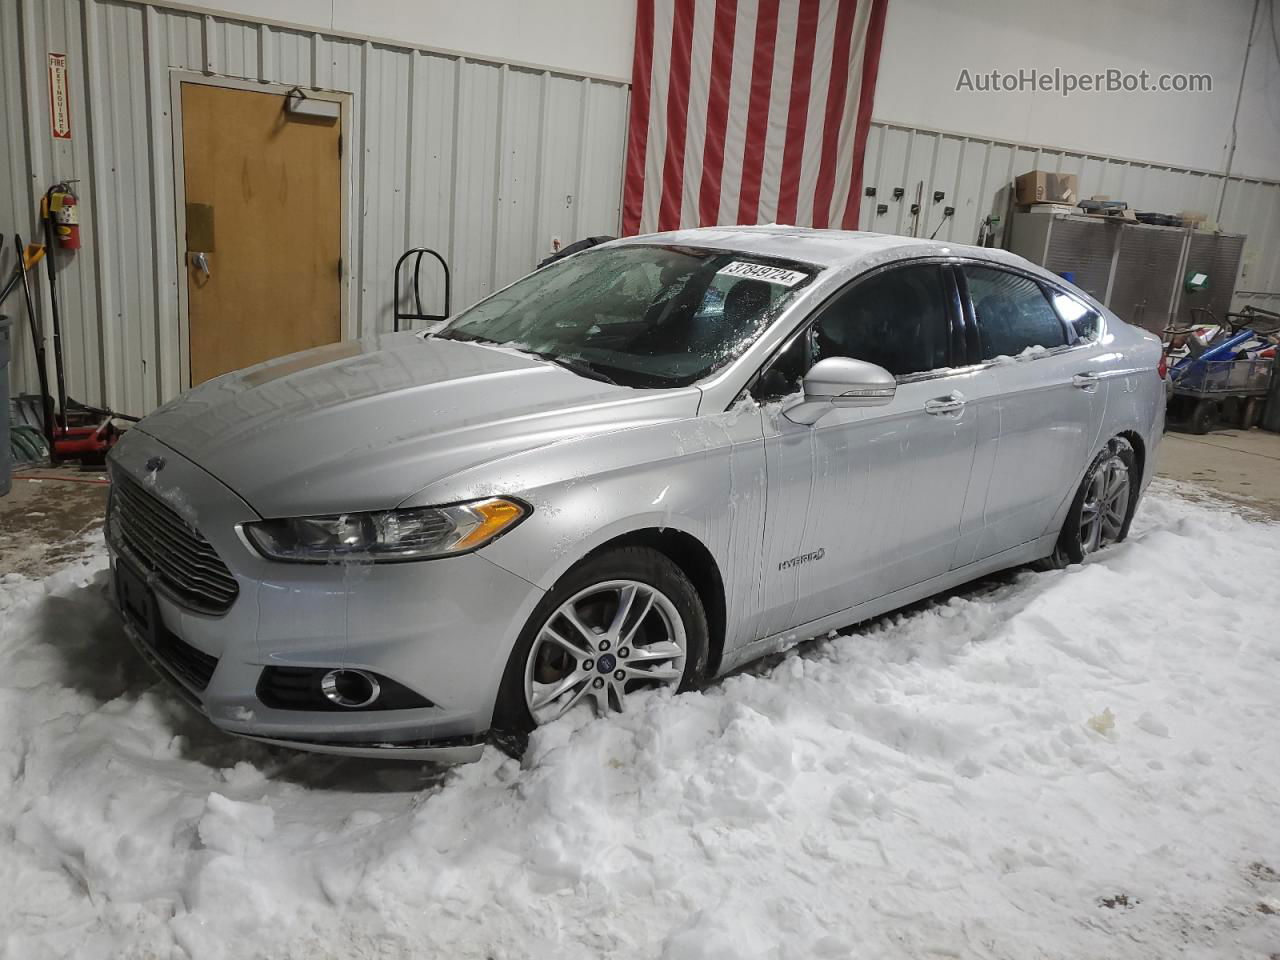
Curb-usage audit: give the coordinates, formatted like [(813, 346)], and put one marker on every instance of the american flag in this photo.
[(749, 111)]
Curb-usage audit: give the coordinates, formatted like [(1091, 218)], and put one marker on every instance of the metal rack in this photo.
[(418, 314)]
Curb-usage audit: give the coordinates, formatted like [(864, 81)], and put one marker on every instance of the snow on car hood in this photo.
[(363, 424)]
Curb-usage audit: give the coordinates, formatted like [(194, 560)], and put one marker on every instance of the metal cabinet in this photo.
[(1217, 255), (1137, 270), (1080, 248), (1147, 275)]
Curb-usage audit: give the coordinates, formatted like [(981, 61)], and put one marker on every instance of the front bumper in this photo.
[(443, 628)]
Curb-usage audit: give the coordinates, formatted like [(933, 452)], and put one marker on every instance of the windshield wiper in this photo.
[(462, 336), (580, 367)]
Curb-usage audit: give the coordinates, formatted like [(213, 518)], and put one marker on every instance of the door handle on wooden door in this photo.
[(201, 263)]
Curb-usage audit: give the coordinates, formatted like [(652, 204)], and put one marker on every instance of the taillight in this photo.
[(1162, 367)]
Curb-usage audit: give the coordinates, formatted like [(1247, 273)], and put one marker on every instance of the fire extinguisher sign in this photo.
[(59, 104)]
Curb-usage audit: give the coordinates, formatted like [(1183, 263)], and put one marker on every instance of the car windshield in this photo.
[(639, 316)]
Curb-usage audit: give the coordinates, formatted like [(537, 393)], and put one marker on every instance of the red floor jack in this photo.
[(73, 431)]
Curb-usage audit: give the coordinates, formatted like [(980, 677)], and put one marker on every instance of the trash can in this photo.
[(6, 457)]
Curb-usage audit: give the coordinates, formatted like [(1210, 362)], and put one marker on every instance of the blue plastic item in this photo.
[(1225, 350)]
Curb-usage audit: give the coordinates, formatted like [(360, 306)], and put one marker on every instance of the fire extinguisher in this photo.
[(63, 212)]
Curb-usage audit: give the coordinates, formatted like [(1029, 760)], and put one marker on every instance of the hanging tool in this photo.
[(55, 203), (37, 338), (946, 215), (987, 232), (32, 254)]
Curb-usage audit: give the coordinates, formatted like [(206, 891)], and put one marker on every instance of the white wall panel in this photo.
[(479, 116), (559, 166), (928, 43), (384, 162), (977, 176), (547, 34), (429, 197), (521, 140), (597, 206), (122, 187), (483, 161)]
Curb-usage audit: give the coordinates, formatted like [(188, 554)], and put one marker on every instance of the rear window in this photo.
[(1013, 314), (1080, 317)]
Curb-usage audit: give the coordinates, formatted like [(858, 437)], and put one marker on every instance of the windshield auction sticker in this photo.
[(758, 271)]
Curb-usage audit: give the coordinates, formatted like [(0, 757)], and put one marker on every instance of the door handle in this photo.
[(201, 262), (1087, 382), (944, 406)]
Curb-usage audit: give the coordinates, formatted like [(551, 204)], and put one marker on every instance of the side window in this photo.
[(1013, 313), (1083, 319), (897, 319), (786, 371)]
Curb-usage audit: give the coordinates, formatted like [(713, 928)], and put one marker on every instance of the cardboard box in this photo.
[(1041, 186)]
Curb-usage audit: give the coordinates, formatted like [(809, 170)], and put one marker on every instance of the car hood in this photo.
[(364, 424)]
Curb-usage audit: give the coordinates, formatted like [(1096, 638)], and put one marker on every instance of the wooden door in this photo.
[(264, 223)]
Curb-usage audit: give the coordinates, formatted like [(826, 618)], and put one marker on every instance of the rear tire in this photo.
[(1102, 509), (665, 646), (1204, 417)]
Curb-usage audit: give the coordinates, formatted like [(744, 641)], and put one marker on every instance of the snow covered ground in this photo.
[(1073, 764)]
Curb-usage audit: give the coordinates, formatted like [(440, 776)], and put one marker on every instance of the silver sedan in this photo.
[(639, 467)]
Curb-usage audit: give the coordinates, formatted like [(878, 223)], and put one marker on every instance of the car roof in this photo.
[(822, 248)]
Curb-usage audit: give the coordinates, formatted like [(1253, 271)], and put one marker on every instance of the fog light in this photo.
[(307, 688), (353, 689)]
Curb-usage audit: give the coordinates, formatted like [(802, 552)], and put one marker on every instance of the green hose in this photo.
[(20, 449), (27, 445)]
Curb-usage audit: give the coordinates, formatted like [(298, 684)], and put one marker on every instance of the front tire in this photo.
[(1103, 506), (622, 621)]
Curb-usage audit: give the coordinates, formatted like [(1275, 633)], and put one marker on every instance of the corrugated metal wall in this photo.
[(484, 161), (976, 175)]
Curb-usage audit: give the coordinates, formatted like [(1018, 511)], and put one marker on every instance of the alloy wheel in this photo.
[(604, 643), (1105, 505)]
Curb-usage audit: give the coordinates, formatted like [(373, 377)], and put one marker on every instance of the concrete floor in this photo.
[(1237, 465), (49, 511), (43, 519)]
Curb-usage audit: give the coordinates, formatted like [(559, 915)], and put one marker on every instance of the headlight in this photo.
[(417, 533)]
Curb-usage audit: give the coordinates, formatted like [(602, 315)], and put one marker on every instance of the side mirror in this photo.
[(841, 382)]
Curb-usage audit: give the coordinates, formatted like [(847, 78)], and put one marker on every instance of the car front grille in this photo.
[(155, 536), (193, 667)]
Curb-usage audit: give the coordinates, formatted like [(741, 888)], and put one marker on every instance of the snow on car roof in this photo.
[(827, 248)]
